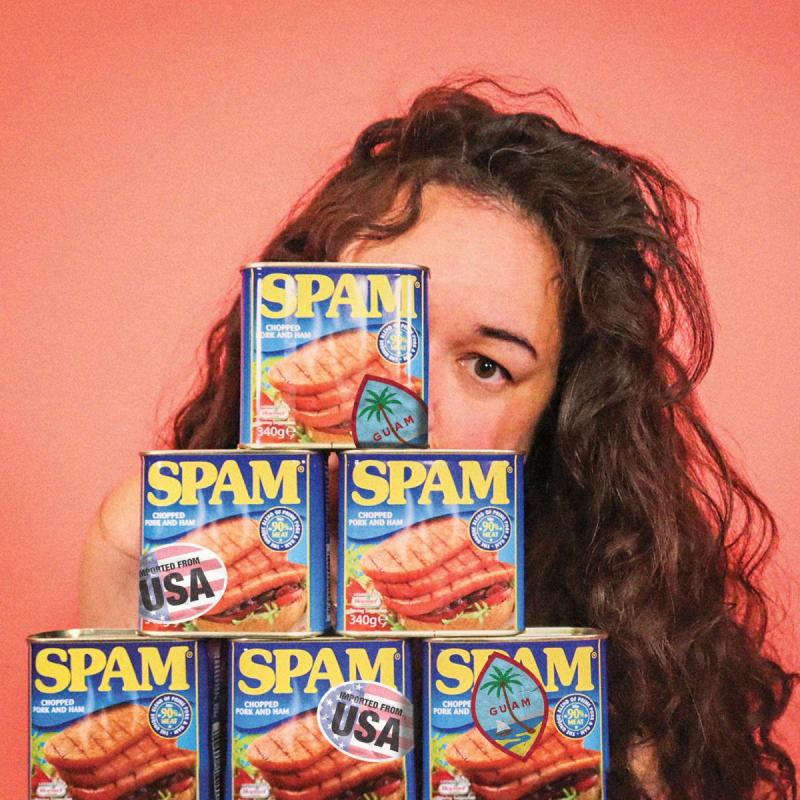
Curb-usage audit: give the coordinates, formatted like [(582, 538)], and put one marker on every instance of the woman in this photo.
[(568, 318)]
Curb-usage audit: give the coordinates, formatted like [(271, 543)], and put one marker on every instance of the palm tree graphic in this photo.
[(500, 681), (377, 405)]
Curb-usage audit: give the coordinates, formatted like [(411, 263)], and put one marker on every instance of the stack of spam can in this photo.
[(234, 687)]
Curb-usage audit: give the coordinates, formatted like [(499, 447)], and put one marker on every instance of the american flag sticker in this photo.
[(367, 720), (179, 582)]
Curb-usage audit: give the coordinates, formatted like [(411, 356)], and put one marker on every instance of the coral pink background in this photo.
[(147, 149)]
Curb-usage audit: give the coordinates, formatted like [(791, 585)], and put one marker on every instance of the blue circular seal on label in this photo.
[(398, 342), (170, 715), (490, 528), (575, 715), (280, 528)]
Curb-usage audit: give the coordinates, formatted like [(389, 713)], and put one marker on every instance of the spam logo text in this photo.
[(458, 668), (62, 669), (375, 482), (311, 295), (287, 670), (171, 482)]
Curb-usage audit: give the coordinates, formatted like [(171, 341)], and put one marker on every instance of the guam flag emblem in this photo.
[(388, 414), (509, 706)]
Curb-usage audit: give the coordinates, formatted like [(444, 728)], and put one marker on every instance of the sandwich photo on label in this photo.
[(114, 754), (299, 763), (320, 380), (557, 768), (432, 576), (265, 591)]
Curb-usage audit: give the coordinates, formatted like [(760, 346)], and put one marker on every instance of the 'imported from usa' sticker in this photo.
[(367, 720), (179, 582)]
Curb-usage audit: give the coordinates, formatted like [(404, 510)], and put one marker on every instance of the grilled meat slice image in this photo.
[(301, 764), (323, 363), (320, 380), (113, 754), (260, 580), (432, 576), (556, 763)]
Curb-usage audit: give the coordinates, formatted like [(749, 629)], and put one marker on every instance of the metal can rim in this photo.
[(85, 634), (340, 266)]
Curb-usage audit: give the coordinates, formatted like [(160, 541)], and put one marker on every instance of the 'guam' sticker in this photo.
[(367, 720), (388, 414), (509, 706), (179, 582)]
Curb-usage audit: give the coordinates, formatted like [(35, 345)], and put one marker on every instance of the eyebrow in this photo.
[(507, 336)]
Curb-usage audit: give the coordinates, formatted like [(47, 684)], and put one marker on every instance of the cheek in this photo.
[(456, 426), (460, 420), (451, 415)]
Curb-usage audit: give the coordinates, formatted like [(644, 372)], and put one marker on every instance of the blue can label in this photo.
[(430, 542), (233, 541), (320, 718), (103, 711), (516, 718), (325, 344)]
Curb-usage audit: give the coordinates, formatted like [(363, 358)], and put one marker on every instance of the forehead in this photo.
[(489, 264)]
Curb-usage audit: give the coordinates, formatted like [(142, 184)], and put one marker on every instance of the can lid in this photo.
[(284, 449), (87, 634), (565, 632), (234, 635), (401, 451), (533, 634), (349, 639), (343, 266)]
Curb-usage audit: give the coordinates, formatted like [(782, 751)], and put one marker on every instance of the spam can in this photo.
[(430, 542), (334, 355), (114, 715), (233, 541), (320, 718), (516, 718)]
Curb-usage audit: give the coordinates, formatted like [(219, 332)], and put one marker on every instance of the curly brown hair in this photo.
[(637, 522)]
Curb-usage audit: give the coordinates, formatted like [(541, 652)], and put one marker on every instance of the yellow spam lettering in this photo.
[(286, 670), (373, 297), (60, 669), (179, 482), (375, 482), (459, 668)]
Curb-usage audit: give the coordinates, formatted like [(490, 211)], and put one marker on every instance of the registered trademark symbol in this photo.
[(189, 654), (509, 469), (301, 468), (594, 654), (397, 656)]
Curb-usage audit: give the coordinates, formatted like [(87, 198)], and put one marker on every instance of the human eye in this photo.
[(488, 372)]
